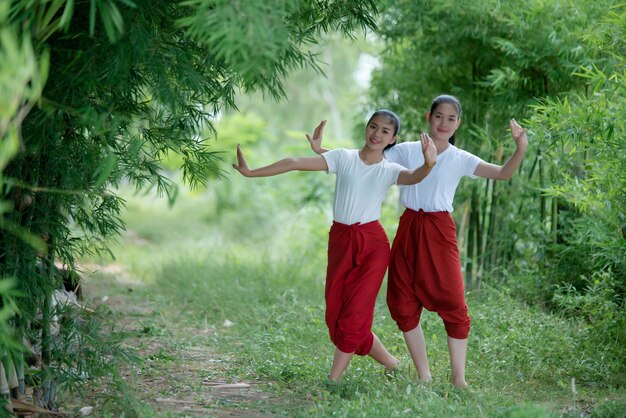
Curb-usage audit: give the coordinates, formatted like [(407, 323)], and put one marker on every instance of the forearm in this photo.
[(288, 164), (279, 167), (409, 177), (510, 167)]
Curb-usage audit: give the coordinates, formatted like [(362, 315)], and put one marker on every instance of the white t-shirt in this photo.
[(360, 189), (436, 192)]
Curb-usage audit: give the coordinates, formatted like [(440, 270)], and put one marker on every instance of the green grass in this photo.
[(267, 278)]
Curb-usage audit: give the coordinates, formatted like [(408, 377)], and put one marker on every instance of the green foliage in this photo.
[(129, 83), (495, 57), (311, 98), (559, 64), (600, 306), (583, 135), (609, 409), (263, 40), (22, 76)]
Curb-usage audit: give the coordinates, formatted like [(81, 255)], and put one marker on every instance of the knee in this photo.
[(458, 328), (407, 317), (359, 345)]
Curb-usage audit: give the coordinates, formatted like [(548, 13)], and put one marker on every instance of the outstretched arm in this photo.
[(506, 171), (316, 139), (279, 167), (429, 150)]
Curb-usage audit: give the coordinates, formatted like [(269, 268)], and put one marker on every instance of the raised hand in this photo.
[(316, 139), (519, 134), (428, 149), (241, 165)]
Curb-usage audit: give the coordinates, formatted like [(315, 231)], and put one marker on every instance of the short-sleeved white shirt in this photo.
[(360, 189), (436, 192)]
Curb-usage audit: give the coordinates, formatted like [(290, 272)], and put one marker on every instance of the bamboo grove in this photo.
[(559, 66), (126, 82), (555, 234)]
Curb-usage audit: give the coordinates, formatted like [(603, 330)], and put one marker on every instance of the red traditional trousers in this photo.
[(425, 272), (358, 256)]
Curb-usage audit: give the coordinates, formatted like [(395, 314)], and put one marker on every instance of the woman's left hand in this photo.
[(519, 134)]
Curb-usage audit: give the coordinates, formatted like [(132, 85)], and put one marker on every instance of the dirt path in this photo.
[(181, 373)]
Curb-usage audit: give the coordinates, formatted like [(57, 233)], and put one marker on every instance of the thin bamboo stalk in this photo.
[(492, 245), (486, 210), (46, 335), (472, 241), (542, 198), (4, 382), (554, 219)]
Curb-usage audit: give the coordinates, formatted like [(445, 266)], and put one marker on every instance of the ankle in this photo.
[(393, 365), (459, 382), (333, 379), (425, 377)]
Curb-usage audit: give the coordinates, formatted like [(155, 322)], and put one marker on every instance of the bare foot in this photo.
[(459, 383), (425, 379), (331, 380), (390, 371), (394, 365)]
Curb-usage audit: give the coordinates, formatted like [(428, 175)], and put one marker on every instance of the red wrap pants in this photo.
[(425, 271), (358, 256)]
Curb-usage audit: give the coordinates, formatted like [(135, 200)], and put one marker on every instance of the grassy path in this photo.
[(204, 308), (180, 373)]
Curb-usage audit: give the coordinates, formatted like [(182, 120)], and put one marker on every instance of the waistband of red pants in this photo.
[(358, 225), (424, 213)]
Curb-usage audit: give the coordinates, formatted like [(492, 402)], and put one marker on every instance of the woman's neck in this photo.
[(441, 145), (369, 156)]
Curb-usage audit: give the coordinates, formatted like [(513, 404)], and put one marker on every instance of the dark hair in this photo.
[(392, 117), (446, 98)]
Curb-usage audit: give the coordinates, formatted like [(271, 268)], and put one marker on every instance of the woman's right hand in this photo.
[(428, 149), (242, 165), (316, 139)]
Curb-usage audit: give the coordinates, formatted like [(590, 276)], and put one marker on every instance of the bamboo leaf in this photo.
[(66, 18), (28, 237), (104, 170), (92, 17), (45, 24)]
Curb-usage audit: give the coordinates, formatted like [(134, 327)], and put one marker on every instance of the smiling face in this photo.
[(380, 132), (443, 121)]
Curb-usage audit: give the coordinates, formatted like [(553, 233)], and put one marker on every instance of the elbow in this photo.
[(410, 181), (290, 163)]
